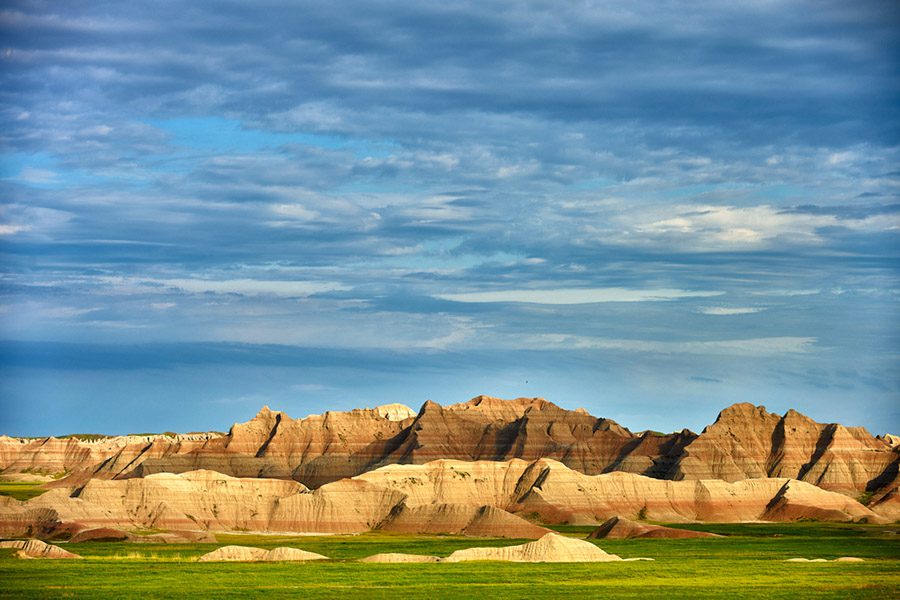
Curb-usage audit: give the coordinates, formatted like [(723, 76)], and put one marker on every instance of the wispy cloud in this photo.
[(252, 287), (239, 287), (8, 229), (771, 346), (663, 183), (725, 311), (577, 295)]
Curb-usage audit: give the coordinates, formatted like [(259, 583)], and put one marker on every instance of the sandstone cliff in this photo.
[(745, 442), (484, 498)]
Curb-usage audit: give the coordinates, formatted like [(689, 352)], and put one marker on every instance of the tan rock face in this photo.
[(564, 495), (618, 528), (291, 555), (395, 412), (891, 440), (59, 456), (248, 554), (17, 519), (109, 534), (314, 450), (485, 498), (103, 534), (550, 548), (397, 557), (336, 445), (745, 442), (460, 519), (37, 549), (561, 495)]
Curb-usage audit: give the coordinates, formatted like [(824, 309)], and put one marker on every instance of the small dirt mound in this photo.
[(619, 528), (284, 554), (248, 554), (397, 557), (100, 534), (550, 548), (37, 549)]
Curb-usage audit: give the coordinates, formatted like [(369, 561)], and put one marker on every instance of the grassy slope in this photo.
[(21, 490), (749, 563)]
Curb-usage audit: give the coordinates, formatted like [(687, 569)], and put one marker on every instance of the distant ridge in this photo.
[(746, 441)]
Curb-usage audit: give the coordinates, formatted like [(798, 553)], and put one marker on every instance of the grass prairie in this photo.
[(748, 562), (21, 490)]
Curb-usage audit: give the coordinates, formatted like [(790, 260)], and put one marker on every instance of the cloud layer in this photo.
[(691, 187)]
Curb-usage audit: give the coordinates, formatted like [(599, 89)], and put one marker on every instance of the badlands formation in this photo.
[(551, 547), (487, 467), (745, 442), (248, 554), (37, 549), (619, 528)]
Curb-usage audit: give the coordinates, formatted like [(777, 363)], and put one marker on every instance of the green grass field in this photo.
[(749, 562), (21, 490)]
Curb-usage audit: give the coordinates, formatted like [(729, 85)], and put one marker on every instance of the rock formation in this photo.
[(397, 557), (248, 554), (100, 534), (57, 457), (558, 494), (842, 559), (483, 498), (109, 534), (550, 548), (745, 442), (460, 519), (618, 528), (37, 549)]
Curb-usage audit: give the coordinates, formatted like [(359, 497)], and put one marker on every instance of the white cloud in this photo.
[(786, 293), (725, 311), (254, 287), (702, 227), (64, 312), (764, 346), (729, 226), (576, 295), (295, 211), (243, 287), (13, 229), (838, 158)]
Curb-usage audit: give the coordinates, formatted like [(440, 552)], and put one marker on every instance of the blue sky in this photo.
[(649, 209)]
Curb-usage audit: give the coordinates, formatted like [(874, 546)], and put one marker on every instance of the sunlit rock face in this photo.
[(745, 442), (483, 498)]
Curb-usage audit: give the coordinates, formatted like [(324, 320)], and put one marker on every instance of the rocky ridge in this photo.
[(483, 498), (745, 442)]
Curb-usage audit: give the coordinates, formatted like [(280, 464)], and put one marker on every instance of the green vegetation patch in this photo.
[(749, 562), (21, 490)]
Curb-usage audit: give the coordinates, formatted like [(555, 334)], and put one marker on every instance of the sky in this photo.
[(649, 209)]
